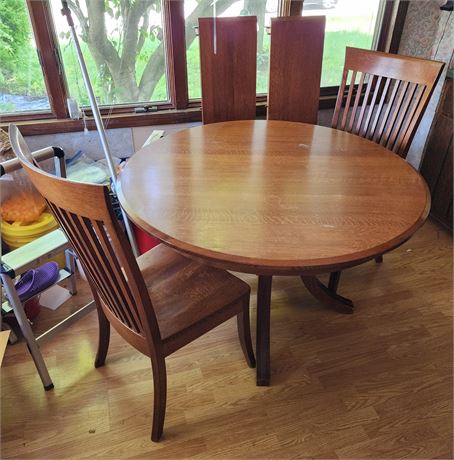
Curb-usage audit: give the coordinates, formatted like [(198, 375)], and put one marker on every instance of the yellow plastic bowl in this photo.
[(16, 234)]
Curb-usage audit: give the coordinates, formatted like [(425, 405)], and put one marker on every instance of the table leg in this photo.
[(325, 295), (333, 283), (263, 330)]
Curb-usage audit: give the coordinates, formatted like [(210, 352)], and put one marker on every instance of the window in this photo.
[(123, 46), (348, 23), (193, 9), (146, 52), (22, 87)]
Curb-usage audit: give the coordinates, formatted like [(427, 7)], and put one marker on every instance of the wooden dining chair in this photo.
[(296, 55), (390, 97), (228, 64), (382, 97), (159, 302)]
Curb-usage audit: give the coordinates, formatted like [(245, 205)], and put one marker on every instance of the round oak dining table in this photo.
[(274, 198)]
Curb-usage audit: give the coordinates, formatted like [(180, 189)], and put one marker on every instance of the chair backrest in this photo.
[(391, 96), (228, 63), (296, 55), (85, 213)]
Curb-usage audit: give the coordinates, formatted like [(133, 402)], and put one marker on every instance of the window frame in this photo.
[(179, 108)]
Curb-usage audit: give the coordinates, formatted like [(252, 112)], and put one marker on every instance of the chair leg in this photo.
[(160, 397), (104, 337), (379, 259), (244, 334), (333, 282), (27, 332), (104, 328)]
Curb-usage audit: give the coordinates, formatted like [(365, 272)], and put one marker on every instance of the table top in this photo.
[(273, 197)]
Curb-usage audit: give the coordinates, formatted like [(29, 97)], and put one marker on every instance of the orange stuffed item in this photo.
[(24, 207)]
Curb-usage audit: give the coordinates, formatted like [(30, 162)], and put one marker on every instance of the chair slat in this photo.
[(394, 110), (114, 276), (379, 108), (402, 115), (340, 97), (97, 273), (413, 120), (98, 263), (364, 105), (395, 114), (381, 131), (356, 103), (365, 127), (118, 275), (88, 262), (349, 98)]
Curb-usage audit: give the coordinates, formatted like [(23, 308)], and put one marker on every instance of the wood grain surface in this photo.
[(274, 197), (228, 63), (374, 385), (296, 54)]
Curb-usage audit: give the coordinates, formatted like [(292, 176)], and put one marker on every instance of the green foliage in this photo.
[(334, 52), (103, 74), (14, 28), (76, 85), (20, 72), (6, 107)]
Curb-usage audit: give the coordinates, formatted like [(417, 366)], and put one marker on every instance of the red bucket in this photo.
[(145, 241)]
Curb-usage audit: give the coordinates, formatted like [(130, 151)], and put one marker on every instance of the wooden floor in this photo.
[(377, 384)]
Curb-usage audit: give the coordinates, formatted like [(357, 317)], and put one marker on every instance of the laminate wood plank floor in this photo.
[(375, 384)]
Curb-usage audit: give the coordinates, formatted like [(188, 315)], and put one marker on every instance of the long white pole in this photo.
[(98, 120)]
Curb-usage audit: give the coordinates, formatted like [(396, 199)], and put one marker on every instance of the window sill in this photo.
[(34, 127), (121, 120)]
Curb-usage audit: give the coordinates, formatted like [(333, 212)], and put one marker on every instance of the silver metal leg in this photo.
[(71, 266), (24, 325)]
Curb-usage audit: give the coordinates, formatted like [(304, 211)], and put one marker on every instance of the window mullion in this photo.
[(46, 44), (296, 7), (177, 76), (398, 26)]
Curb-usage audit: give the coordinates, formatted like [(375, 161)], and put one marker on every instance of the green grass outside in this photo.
[(333, 60)]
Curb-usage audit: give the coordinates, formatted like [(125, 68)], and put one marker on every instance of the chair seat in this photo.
[(184, 293)]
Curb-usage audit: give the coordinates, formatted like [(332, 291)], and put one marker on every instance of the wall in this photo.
[(428, 33), (122, 142)]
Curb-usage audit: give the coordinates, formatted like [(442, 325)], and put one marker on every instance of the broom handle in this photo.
[(98, 120)]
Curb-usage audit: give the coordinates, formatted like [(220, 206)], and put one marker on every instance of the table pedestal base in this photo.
[(327, 296), (316, 288)]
